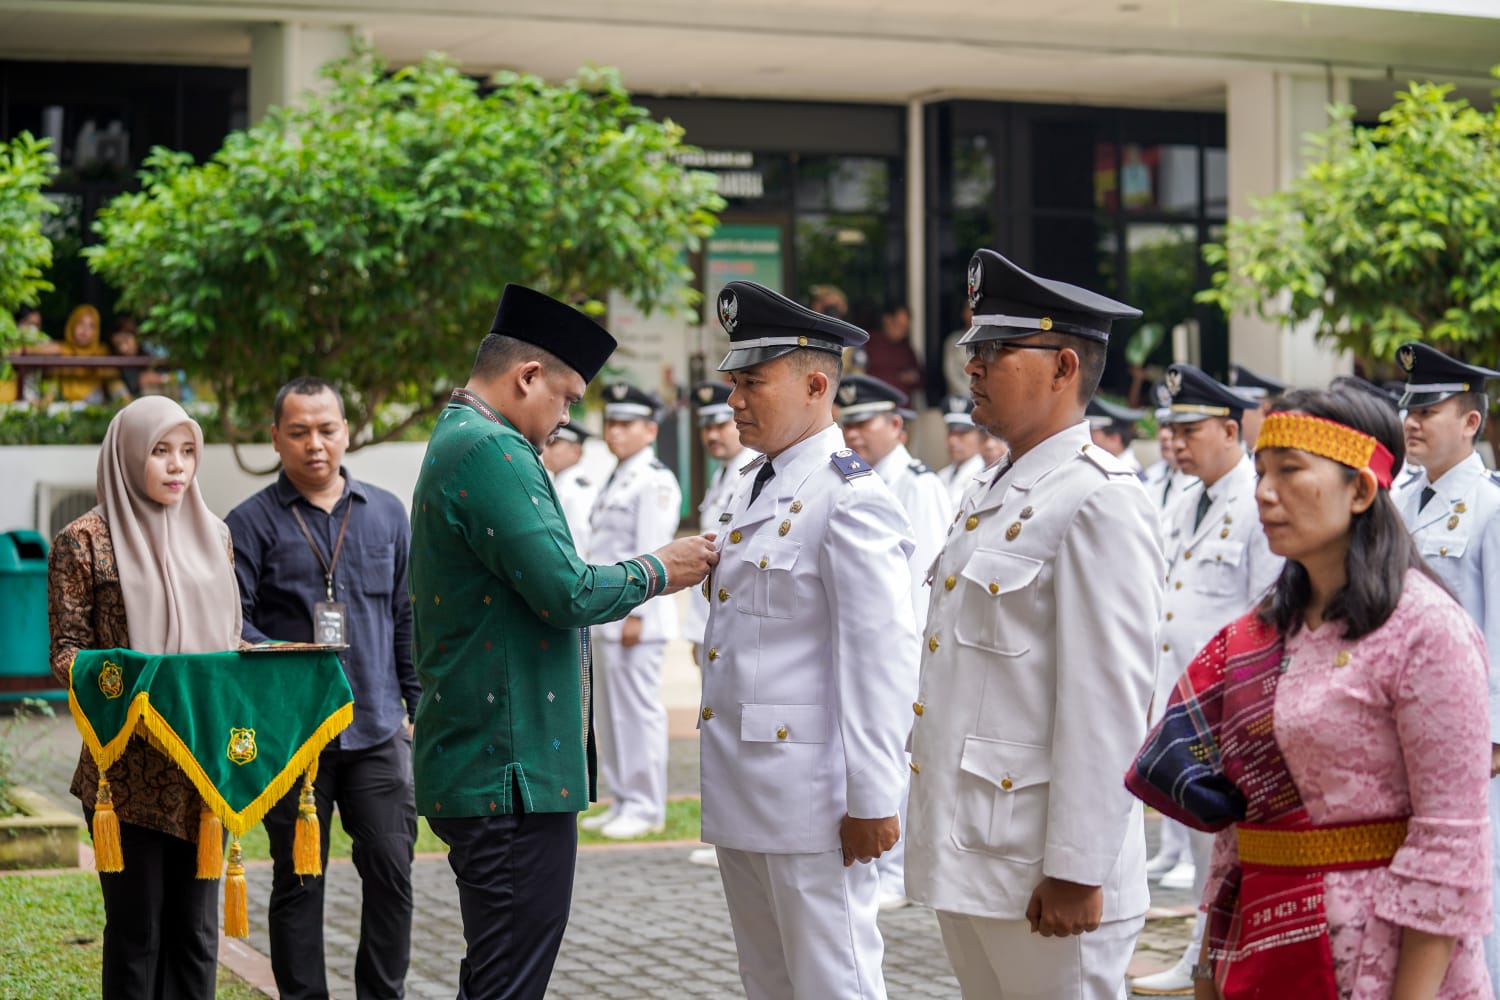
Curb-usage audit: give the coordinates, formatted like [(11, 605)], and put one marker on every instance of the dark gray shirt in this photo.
[(280, 580)]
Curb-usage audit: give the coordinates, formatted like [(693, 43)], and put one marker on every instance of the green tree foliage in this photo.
[(365, 236), (1392, 234), (25, 251)]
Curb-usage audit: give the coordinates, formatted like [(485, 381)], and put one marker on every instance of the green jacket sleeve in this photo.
[(505, 505)]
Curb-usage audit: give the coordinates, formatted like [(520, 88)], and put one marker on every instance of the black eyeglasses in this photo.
[(988, 350)]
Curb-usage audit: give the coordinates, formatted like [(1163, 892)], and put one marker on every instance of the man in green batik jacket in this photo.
[(501, 604)]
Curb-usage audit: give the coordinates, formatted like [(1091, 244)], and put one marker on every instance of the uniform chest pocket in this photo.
[(1218, 570), (999, 597), (1003, 791), (769, 590), (1444, 545)]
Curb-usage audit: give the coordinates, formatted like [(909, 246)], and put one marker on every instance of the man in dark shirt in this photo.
[(319, 545)]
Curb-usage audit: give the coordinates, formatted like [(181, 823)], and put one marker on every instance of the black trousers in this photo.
[(373, 791), (161, 922), (515, 887)]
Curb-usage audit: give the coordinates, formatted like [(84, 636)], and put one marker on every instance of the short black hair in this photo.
[(1381, 549), (806, 360), (304, 385), (1478, 402), (498, 354), (1091, 357)]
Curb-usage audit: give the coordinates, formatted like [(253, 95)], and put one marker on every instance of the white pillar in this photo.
[(1270, 115), (916, 226), (285, 57)]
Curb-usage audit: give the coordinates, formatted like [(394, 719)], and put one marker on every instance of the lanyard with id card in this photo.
[(330, 617)]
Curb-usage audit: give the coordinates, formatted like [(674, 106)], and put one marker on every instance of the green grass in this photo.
[(51, 939), (682, 824)]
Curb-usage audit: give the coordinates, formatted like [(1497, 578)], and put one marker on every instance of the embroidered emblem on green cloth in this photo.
[(242, 727), (110, 681), (242, 745)]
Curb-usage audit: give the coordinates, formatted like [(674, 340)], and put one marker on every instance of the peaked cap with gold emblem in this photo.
[(958, 412), (623, 401), (1196, 396), (1010, 302), (763, 324), (711, 399), (1432, 376)]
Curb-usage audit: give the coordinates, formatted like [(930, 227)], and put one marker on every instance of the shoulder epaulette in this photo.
[(581, 482), (753, 465), (1494, 476), (919, 467), (1107, 463), (850, 465)]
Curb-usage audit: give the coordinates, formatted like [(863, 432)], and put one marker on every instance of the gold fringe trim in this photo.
[(236, 906), (108, 854), (210, 844), (307, 840), (237, 823)]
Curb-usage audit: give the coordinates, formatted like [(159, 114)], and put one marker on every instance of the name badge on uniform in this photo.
[(329, 618), (726, 517)]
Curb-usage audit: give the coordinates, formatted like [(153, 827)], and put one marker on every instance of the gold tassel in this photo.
[(108, 857), (210, 844), (307, 840), (236, 910)]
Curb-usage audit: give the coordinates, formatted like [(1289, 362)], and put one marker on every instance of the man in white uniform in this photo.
[(869, 411), (576, 491), (1037, 668), (639, 505), (807, 674), (1451, 506), (1112, 428), (1218, 567), (964, 458)]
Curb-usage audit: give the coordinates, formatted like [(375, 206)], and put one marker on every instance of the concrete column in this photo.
[(1270, 114), (916, 226), (285, 57)]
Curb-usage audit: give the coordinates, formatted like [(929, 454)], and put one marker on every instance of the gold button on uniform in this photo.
[(1443, 551), (914, 768), (916, 708), (781, 733), (785, 527), (950, 583), (994, 587), (723, 595), (735, 536), (708, 713), (796, 506), (932, 644), (764, 562), (713, 654), (1224, 533), (1013, 531), (1006, 784), (1188, 554), (1169, 616), (1177, 585), (1166, 647), (1452, 522), (971, 523)]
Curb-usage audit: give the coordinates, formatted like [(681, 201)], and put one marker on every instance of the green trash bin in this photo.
[(25, 671)]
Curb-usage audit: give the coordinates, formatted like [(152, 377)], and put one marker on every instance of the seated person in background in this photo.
[(125, 341), (31, 341), (81, 339)]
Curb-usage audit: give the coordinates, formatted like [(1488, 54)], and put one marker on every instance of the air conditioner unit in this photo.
[(58, 504)]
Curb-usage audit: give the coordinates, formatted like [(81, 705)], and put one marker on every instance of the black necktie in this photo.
[(1204, 502), (1427, 494), (764, 476), (1166, 488)]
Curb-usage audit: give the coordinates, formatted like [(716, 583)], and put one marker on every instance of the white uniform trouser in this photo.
[(804, 925), (891, 865), (1003, 960), (1492, 939), (631, 726), (1202, 845), (1174, 840)]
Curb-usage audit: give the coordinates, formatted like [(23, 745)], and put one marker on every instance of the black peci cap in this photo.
[(556, 327)]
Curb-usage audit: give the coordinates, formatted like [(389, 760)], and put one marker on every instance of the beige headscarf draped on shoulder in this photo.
[(179, 587)]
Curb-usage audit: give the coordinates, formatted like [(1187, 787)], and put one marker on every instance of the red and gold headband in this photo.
[(1330, 439)]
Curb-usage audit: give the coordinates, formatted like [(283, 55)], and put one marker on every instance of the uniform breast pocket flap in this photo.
[(784, 724), (1219, 568), (999, 592), (769, 565), (1440, 547), (1002, 798)]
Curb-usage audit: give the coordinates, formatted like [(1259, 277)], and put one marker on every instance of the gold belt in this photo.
[(1353, 845)]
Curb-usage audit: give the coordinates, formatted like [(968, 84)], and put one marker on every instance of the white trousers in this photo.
[(804, 925), (1174, 839), (631, 726), (1004, 960)]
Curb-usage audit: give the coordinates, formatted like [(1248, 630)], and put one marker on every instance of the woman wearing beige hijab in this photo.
[(150, 568)]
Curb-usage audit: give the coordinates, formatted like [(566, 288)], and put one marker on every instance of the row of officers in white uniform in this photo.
[(989, 640)]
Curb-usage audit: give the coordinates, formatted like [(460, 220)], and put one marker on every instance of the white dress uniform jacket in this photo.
[(807, 678), (637, 511), (925, 500), (716, 498), (1037, 670), (1215, 572), (958, 477), (1458, 534), (577, 492)]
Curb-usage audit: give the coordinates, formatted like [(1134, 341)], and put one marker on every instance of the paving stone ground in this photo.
[(645, 924)]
